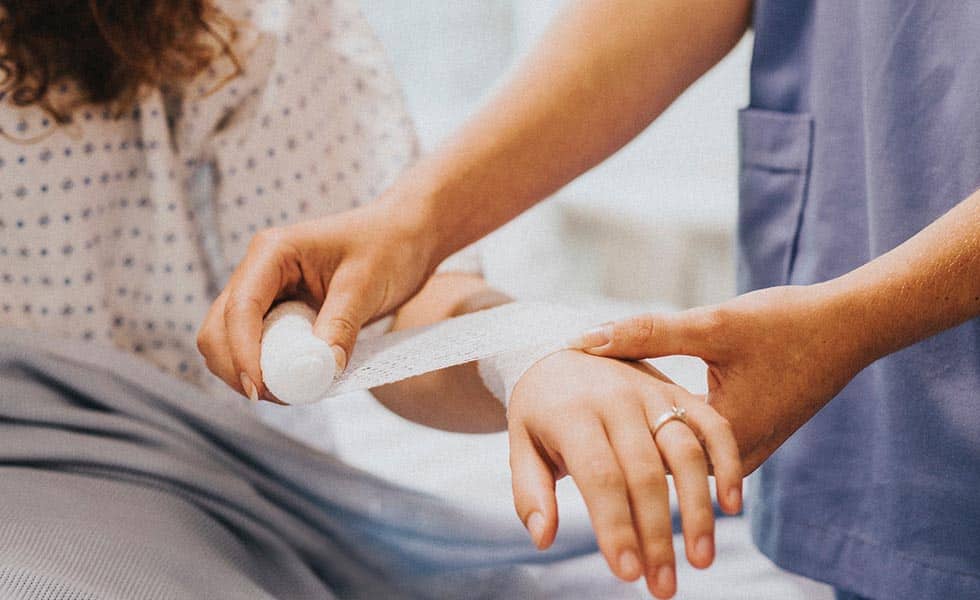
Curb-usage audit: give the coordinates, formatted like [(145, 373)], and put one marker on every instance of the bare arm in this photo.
[(924, 286), (454, 399), (801, 345), (602, 73)]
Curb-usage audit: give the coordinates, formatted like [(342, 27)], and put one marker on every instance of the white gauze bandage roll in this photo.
[(297, 366), (507, 339)]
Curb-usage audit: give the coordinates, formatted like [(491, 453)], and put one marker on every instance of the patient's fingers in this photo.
[(685, 458), (649, 499), (592, 464), (719, 439), (533, 483)]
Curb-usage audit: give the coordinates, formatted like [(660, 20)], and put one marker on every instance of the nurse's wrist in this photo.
[(410, 204), (852, 309), (420, 201)]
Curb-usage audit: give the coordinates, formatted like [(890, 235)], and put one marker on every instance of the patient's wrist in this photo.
[(502, 373)]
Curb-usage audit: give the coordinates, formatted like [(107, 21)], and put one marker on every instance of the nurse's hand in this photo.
[(775, 357), (592, 418), (358, 265)]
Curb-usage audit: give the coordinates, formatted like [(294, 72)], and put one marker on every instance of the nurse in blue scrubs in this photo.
[(849, 368), (863, 130)]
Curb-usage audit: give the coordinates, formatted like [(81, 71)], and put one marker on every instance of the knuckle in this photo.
[(619, 533), (659, 547), (343, 326), (238, 305), (204, 341), (614, 528), (715, 321), (264, 238), (606, 477), (600, 404), (217, 371), (701, 519), (648, 477), (642, 328)]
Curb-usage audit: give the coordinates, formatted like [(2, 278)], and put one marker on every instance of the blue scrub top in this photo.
[(864, 127)]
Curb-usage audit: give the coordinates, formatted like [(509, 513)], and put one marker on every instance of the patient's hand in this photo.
[(591, 418)]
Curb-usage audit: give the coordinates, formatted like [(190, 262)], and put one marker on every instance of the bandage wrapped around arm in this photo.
[(298, 368)]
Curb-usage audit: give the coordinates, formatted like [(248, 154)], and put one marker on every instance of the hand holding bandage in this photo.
[(357, 266), (297, 366)]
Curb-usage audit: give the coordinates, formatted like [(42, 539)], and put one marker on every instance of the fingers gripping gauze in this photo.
[(299, 368)]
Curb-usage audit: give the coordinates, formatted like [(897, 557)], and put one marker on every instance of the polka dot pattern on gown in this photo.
[(105, 231)]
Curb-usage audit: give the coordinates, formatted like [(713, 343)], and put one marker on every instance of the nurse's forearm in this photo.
[(600, 75), (926, 285)]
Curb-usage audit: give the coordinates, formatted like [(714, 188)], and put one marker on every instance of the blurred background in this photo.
[(655, 223)]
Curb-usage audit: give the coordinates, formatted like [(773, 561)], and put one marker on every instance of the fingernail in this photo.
[(593, 338), (535, 526), (665, 579), (340, 357), (629, 565), (249, 387), (735, 498), (704, 548)]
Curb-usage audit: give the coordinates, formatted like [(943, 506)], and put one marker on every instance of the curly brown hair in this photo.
[(111, 49)]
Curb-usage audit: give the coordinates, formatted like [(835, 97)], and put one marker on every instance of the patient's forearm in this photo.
[(600, 75), (454, 399), (926, 285)]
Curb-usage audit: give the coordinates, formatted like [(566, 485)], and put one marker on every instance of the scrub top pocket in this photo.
[(774, 168)]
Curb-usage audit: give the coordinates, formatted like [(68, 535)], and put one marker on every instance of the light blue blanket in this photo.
[(117, 481)]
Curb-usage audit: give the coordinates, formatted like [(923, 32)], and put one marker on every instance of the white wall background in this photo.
[(655, 222)]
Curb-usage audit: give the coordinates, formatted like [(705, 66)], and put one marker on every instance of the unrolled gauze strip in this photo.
[(291, 353)]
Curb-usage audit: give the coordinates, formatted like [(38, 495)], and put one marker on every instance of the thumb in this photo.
[(650, 336), (533, 483), (349, 304)]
